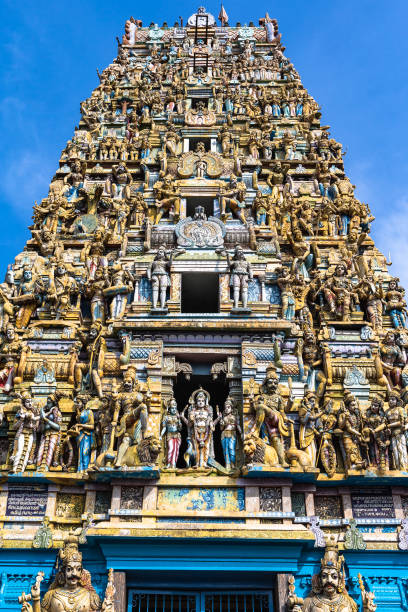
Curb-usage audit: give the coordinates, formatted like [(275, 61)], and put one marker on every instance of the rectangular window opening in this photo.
[(199, 292)]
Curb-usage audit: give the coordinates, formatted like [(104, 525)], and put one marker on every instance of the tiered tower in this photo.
[(201, 340)]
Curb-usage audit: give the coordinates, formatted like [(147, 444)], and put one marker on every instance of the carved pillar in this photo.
[(281, 592), (119, 581)]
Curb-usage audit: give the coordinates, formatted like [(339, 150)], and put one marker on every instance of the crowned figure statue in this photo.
[(71, 590), (329, 592)]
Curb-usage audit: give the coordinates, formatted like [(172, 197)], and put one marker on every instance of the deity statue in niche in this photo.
[(240, 272), (200, 427), (26, 422), (170, 430), (230, 431)]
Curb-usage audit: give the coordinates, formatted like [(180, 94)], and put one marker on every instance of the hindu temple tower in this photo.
[(204, 372)]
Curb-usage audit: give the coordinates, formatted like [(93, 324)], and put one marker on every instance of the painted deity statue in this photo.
[(200, 425), (84, 432), (89, 374), (240, 272), (350, 421), (50, 424), (328, 592), (339, 293), (396, 423), (71, 589), (170, 430), (134, 414), (159, 274), (26, 422), (395, 304), (308, 416), (230, 431), (269, 407), (376, 434)]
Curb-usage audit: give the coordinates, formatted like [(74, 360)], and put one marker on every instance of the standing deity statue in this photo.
[(350, 421), (121, 284), (61, 289), (269, 407), (28, 297), (240, 271), (328, 592), (396, 423), (26, 422), (134, 409), (392, 359), (370, 293), (326, 426), (395, 304), (50, 425), (159, 274), (339, 293), (308, 416), (200, 426), (376, 434), (84, 432), (170, 430), (285, 283), (167, 199), (230, 430), (7, 292), (233, 196), (89, 374)]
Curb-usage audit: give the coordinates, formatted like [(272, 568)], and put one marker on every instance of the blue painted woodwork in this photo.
[(178, 564)]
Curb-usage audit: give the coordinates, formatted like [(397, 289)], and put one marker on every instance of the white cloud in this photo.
[(26, 179)]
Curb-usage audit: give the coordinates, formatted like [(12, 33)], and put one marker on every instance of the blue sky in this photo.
[(351, 55)]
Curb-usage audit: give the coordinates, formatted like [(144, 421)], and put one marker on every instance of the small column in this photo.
[(346, 501), (309, 504), (286, 504), (149, 502), (119, 581), (213, 145), (281, 592), (186, 145), (252, 504), (51, 501), (136, 290)]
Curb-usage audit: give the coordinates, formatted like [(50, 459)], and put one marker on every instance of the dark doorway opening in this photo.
[(199, 292), (206, 203), (218, 390), (193, 142)]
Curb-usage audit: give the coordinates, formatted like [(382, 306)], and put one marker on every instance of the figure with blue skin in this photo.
[(83, 430), (230, 430), (75, 180), (395, 304)]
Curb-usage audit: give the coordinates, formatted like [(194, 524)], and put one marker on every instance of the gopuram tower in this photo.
[(204, 356)]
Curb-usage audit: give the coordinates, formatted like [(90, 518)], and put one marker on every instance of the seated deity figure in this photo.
[(329, 592)]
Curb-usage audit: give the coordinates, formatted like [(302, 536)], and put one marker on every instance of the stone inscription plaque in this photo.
[(372, 503), (27, 501)]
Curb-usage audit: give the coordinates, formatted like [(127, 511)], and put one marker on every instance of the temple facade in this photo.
[(204, 362)]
